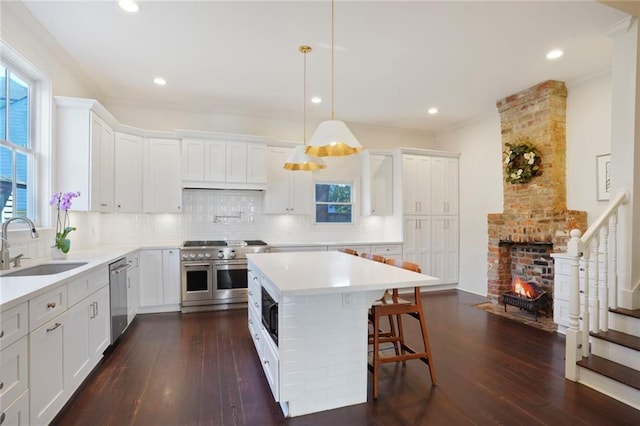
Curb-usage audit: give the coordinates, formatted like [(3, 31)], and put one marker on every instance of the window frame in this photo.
[(352, 202)]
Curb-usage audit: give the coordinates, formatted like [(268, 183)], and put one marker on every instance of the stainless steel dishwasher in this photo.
[(118, 292)]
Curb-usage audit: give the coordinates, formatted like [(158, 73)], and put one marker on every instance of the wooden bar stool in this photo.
[(397, 307), (374, 257), (348, 251)]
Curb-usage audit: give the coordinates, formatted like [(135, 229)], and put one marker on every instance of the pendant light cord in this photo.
[(304, 101), (332, 57)]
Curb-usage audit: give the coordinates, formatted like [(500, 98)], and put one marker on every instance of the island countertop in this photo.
[(309, 273)]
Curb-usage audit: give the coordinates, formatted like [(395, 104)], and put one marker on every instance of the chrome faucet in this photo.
[(6, 258)]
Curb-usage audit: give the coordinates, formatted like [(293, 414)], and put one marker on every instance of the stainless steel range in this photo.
[(214, 273)]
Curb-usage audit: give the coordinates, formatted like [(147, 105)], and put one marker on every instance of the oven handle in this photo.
[(190, 265)]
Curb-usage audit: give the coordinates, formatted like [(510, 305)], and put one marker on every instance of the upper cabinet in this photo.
[(223, 163), (128, 175), (287, 192), (377, 184), (444, 189), (416, 184), (85, 153), (162, 176)]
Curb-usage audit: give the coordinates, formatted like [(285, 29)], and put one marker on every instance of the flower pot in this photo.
[(57, 254)]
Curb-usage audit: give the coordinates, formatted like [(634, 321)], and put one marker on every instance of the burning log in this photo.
[(528, 296)]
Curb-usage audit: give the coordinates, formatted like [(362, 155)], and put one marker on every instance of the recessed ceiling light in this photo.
[(432, 111), (160, 81), (129, 6), (554, 54), (316, 100)]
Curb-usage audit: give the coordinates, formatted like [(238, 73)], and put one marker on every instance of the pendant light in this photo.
[(333, 138), (299, 159)]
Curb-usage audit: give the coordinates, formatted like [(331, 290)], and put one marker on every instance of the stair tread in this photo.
[(620, 338), (628, 312), (612, 370)]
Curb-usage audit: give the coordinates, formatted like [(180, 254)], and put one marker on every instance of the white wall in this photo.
[(588, 134)]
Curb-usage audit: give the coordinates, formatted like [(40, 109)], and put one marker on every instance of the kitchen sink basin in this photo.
[(45, 269)]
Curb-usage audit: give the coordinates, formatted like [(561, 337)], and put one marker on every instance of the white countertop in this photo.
[(307, 273), (15, 290), (330, 243)]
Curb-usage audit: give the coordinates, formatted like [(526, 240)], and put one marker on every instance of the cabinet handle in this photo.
[(256, 305), (256, 336), (250, 322), (51, 305), (1, 334), (54, 327), (250, 293), (2, 418), (103, 205), (97, 311), (266, 362), (1, 385)]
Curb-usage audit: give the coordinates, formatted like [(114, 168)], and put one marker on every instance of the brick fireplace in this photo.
[(535, 220)]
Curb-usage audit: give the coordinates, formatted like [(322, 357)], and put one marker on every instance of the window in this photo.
[(334, 202), (17, 157)]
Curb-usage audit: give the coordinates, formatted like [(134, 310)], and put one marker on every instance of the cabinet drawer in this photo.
[(87, 284), (17, 413), (254, 291), (14, 323), (47, 306), (256, 335), (270, 364), (387, 250), (13, 372)]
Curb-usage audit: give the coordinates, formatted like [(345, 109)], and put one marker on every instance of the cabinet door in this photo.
[(133, 279), (171, 276), (300, 192), (163, 185), (128, 173), (151, 282), (77, 357), (417, 241), (416, 184), (193, 159), (381, 181), (276, 197), (99, 324), (444, 186), (46, 372), (236, 162), (256, 162), (444, 245), (102, 167), (14, 367), (17, 413), (215, 168)]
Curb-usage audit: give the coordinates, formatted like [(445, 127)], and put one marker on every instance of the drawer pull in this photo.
[(1, 385), (266, 362), (51, 305), (256, 305), (257, 337), (54, 327), (1, 334), (2, 416), (250, 293), (250, 322)]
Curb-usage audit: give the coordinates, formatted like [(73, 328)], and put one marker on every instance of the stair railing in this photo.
[(593, 257)]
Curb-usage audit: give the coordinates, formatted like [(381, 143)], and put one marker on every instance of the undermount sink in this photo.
[(45, 269)]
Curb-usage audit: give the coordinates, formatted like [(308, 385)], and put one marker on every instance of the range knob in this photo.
[(207, 255), (221, 255), (185, 256), (232, 254), (192, 256), (200, 255)]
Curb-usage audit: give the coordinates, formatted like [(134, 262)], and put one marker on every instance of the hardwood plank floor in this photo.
[(201, 369)]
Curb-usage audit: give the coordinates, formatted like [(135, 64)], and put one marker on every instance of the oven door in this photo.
[(197, 281), (230, 281)]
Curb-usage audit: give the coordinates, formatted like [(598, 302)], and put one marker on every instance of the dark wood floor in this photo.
[(201, 369)]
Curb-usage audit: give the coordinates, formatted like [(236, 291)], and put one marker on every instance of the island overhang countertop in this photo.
[(324, 272)]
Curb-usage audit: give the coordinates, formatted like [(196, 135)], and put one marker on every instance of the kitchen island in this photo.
[(320, 359)]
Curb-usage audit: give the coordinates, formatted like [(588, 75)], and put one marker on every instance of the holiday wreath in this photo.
[(522, 161)]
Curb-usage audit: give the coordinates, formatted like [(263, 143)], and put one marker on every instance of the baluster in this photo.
[(575, 248), (614, 259), (585, 301), (596, 284), (605, 278)]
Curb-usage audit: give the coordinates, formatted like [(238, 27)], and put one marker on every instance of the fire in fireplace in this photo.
[(527, 296)]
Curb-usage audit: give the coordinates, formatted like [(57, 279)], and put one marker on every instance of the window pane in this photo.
[(333, 213), (20, 201), (333, 193), (3, 102), (6, 182), (18, 111)]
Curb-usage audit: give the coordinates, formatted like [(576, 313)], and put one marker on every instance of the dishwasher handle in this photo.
[(122, 268)]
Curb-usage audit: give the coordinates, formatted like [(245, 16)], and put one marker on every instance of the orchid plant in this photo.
[(62, 202)]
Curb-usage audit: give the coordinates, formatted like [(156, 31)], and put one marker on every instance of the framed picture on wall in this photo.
[(603, 176)]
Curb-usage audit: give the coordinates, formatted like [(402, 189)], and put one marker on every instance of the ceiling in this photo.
[(393, 59)]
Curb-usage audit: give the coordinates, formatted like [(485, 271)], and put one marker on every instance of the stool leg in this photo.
[(401, 336), (392, 331), (376, 348), (427, 348)]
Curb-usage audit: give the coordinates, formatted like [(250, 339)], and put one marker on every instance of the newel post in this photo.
[(575, 249)]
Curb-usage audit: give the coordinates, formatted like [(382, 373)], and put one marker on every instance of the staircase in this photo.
[(603, 340), (613, 364)]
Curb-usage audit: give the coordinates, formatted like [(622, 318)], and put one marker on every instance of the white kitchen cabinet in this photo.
[(416, 184), (128, 175), (444, 249), (388, 251), (287, 192), (159, 286), (17, 413), (133, 280), (77, 355), (377, 184), (14, 365), (85, 153), (417, 241), (14, 324), (46, 370), (162, 176), (444, 183), (99, 324), (221, 163)]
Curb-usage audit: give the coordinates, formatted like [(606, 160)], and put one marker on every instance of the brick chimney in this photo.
[(534, 212)]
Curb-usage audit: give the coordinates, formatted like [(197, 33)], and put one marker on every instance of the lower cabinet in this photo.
[(133, 280), (16, 413), (14, 365), (159, 286), (432, 243)]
